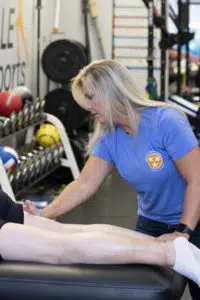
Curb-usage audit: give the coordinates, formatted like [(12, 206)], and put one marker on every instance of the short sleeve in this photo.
[(101, 150), (177, 136)]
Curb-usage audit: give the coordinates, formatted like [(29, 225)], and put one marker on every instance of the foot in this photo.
[(187, 260)]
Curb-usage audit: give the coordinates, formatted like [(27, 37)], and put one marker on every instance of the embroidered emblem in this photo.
[(154, 160)]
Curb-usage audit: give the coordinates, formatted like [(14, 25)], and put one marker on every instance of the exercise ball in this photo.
[(9, 157), (47, 135), (24, 92), (9, 102)]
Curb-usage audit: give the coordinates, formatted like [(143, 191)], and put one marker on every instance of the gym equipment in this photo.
[(47, 135), (80, 282), (57, 14), (9, 102), (19, 120), (94, 15), (25, 114), (186, 9), (36, 164), (151, 88), (5, 125), (24, 93), (62, 60), (39, 110), (168, 40), (32, 118), (164, 61), (38, 8), (13, 121), (78, 143), (197, 80), (189, 108), (9, 157), (61, 104), (56, 33), (85, 9), (179, 78), (1, 129)]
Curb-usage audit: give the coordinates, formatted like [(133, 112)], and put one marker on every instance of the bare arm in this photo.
[(189, 166), (81, 189)]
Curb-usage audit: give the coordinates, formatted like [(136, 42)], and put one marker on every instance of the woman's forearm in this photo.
[(73, 195), (191, 208)]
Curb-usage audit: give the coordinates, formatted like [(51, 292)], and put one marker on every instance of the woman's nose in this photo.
[(89, 107)]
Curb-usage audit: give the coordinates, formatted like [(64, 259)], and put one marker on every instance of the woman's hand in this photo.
[(171, 236), (30, 208)]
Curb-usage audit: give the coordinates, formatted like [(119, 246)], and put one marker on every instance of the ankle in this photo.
[(170, 253)]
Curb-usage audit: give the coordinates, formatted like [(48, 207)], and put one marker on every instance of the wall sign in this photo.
[(15, 43)]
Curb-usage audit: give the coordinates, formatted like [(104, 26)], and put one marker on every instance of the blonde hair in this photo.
[(117, 92)]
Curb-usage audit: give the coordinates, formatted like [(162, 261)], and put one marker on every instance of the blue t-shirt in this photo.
[(146, 161)]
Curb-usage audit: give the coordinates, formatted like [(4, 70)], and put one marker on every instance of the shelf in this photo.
[(69, 162)]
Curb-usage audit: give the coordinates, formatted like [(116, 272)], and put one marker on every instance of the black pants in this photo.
[(156, 229), (10, 211)]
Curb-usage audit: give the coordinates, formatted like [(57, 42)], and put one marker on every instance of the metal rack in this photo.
[(68, 161)]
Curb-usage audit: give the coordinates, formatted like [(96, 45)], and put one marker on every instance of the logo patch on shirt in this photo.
[(154, 160)]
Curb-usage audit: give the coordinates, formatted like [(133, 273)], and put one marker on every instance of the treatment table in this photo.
[(34, 281)]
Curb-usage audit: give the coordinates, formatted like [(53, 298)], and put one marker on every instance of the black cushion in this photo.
[(27, 281)]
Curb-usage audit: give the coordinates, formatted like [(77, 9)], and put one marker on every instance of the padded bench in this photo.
[(34, 281)]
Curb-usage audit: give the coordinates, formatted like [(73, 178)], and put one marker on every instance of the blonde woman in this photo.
[(152, 146)]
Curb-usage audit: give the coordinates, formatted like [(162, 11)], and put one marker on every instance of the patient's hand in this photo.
[(30, 208)]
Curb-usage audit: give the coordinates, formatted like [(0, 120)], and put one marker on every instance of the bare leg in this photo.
[(20, 242), (51, 225), (24, 243)]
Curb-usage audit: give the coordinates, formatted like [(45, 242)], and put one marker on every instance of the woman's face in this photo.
[(92, 103)]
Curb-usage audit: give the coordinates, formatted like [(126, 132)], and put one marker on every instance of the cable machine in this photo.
[(168, 40)]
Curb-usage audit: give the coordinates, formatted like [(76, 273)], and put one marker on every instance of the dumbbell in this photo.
[(16, 180), (6, 124), (1, 129), (25, 114), (56, 155), (39, 109), (42, 114), (31, 170), (24, 178), (50, 161), (19, 120), (31, 114), (13, 121)]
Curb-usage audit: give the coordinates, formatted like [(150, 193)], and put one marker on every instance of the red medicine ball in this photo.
[(9, 102)]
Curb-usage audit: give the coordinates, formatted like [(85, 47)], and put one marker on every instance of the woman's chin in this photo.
[(99, 119)]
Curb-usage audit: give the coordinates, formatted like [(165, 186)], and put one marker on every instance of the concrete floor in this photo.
[(115, 203)]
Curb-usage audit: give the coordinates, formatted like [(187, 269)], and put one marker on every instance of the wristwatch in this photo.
[(184, 229)]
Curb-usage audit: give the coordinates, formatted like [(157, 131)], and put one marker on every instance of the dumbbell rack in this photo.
[(69, 161)]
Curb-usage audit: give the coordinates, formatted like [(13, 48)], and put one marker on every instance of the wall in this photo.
[(15, 53), (71, 26), (24, 70)]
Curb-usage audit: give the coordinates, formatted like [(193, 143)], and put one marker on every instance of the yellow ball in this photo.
[(47, 135)]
